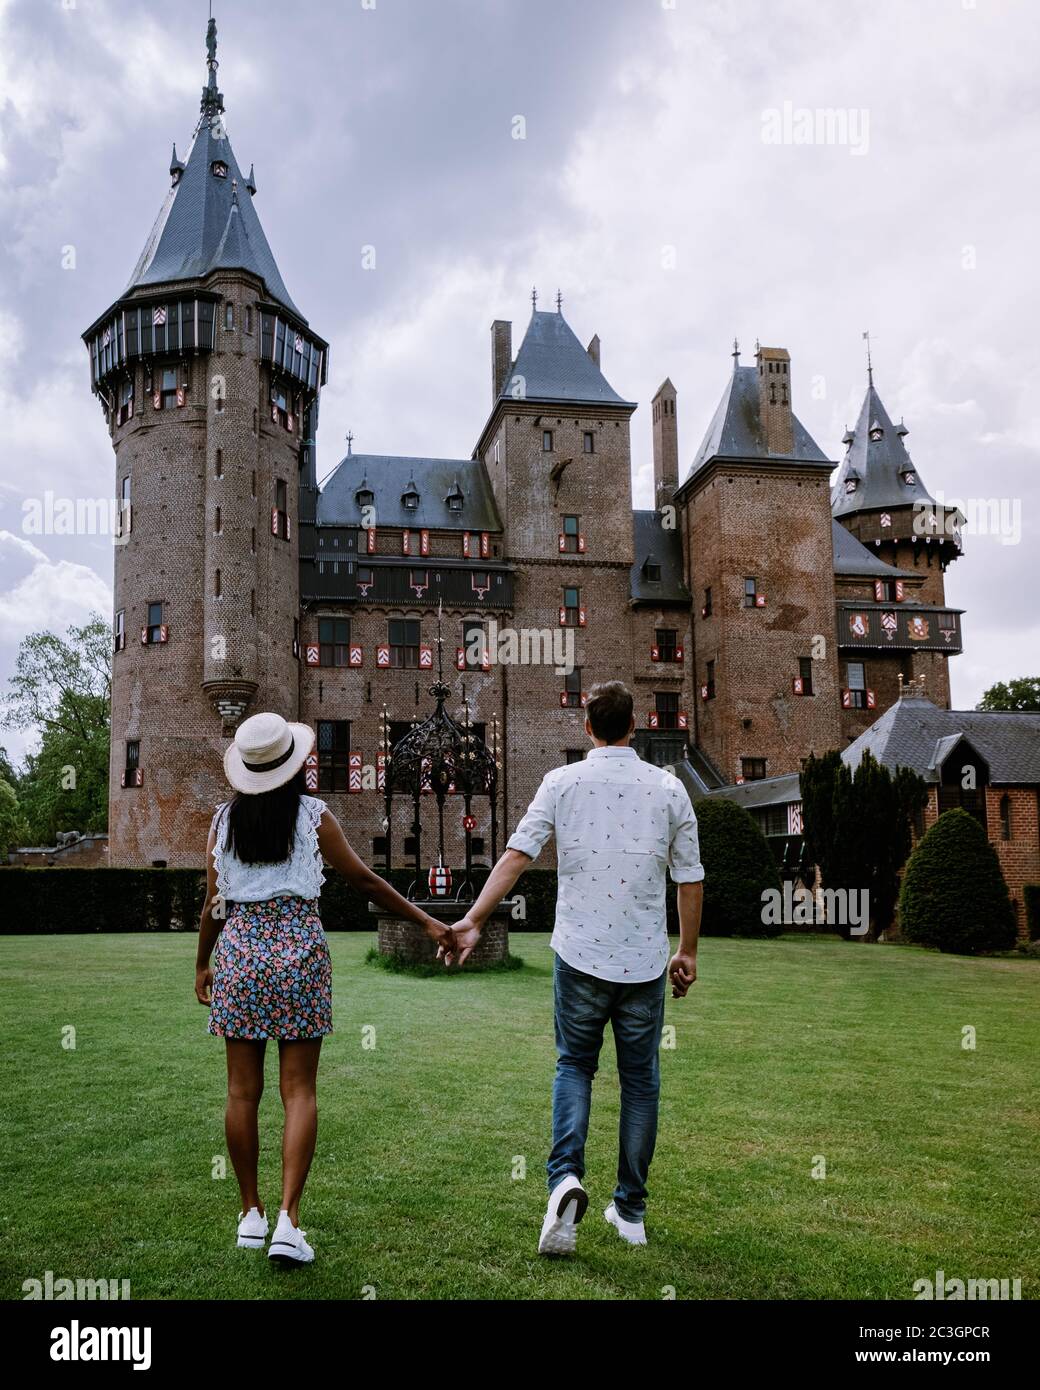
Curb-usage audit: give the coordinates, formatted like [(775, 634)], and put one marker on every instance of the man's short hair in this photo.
[(609, 711)]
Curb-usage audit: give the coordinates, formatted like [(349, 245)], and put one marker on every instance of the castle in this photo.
[(758, 614)]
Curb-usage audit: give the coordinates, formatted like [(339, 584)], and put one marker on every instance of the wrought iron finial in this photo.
[(350, 441), (559, 302), (736, 353), (534, 299), (870, 365), (212, 100)]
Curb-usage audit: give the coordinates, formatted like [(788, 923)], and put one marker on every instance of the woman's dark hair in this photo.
[(261, 826)]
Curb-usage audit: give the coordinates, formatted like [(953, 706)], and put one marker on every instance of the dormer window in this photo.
[(219, 169), (909, 477), (364, 496), (876, 432), (651, 570), (850, 484), (410, 497), (455, 498)]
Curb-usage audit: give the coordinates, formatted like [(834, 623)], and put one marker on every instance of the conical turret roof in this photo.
[(877, 462)]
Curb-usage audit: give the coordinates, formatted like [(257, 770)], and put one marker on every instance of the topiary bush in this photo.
[(1031, 902), (738, 868), (953, 894)]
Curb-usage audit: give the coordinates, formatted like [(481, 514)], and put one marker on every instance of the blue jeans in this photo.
[(583, 1004)]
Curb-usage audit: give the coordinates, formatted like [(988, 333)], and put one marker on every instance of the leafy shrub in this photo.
[(738, 868), (953, 894), (1031, 902)]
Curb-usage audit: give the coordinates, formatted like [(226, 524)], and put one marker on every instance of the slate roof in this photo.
[(207, 223), (390, 477), (555, 367), (765, 791), (917, 734), (652, 542), (735, 431), (853, 558), (878, 465)]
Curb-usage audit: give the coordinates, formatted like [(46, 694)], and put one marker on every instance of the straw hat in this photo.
[(267, 752)]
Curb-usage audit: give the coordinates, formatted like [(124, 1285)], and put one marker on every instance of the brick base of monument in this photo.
[(408, 941)]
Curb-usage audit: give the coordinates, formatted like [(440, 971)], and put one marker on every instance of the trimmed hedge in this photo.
[(738, 867), (1031, 902), (953, 894), (55, 901)]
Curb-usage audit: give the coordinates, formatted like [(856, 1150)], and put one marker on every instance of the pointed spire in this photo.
[(212, 99), (251, 183), (176, 165)]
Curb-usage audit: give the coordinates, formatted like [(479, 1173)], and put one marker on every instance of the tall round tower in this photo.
[(208, 377)]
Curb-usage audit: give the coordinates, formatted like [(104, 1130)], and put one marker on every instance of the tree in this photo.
[(738, 868), (1022, 694), (858, 829), (12, 826), (63, 687), (954, 895)]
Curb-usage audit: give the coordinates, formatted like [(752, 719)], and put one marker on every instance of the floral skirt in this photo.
[(272, 973)]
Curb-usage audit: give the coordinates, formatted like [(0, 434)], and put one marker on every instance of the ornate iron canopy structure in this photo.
[(445, 758)]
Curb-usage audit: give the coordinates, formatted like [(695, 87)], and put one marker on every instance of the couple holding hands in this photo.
[(620, 826)]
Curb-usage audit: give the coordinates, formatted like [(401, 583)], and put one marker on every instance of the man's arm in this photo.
[(684, 859), (525, 845)]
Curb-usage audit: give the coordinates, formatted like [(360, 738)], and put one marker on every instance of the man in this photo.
[(619, 823)]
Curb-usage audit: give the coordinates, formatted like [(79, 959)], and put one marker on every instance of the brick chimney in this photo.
[(666, 444), (501, 354), (774, 399), (593, 348)]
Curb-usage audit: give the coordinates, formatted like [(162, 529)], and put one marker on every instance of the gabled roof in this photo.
[(736, 431), (763, 791), (917, 734), (553, 366), (653, 544), (208, 222), (877, 464), (853, 558), (389, 477)]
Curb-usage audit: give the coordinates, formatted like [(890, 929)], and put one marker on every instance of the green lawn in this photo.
[(784, 1050)]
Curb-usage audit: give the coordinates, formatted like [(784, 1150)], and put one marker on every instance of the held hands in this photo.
[(464, 936), (682, 971)]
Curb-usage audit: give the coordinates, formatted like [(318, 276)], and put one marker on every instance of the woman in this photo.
[(272, 975)]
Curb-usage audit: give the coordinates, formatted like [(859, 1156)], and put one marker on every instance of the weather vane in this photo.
[(534, 298)]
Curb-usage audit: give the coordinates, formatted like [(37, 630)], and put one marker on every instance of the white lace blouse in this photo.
[(300, 875)]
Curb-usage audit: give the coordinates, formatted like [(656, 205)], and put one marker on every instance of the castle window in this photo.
[(750, 593), (1005, 817), (666, 643), (850, 485), (909, 479), (404, 643), (218, 524), (411, 500), (772, 391), (709, 681), (572, 689), (588, 442), (229, 315), (455, 502), (856, 684), (280, 519), (169, 388), (570, 534), (474, 647), (216, 585), (547, 441), (220, 463), (124, 520), (279, 406), (571, 606), (154, 628), (753, 769), (132, 763), (574, 755), (126, 406), (219, 169), (805, 674), (252, 542), (364, 497), (479, 580), (252, 603), (666, 704), (119, 631), (334, 641), (253, 485), (651, 571), (333, 755), (365, 575)]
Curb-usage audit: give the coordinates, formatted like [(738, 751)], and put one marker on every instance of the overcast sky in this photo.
[(664, 184)]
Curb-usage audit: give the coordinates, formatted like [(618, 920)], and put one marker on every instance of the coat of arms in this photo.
[(858, 624), (918, 629)]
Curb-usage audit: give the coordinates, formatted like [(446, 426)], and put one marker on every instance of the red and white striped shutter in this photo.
[(798, 685), (563, 541), (424, 542), (583, 699), (122, 779), (465, 544), (563, 699), (581, 617), (485, 658), (406, 542), (138, 776), (313, 652), (144, 636), (460, 658), (846, 699), (704, 692), (794, 818), (157, 400), (684, 719), (426, 657), (879, 590), (581, 545), (288, 527), (181, 397), (356, 654), (354, 772), (372, 540), (274, 521), (900, 591), (655, 654), (290, 424), (871, 700), (274, 413), (382, 655), (311, 771), (678, 653), (485, 545), (760, 600), (651, 719), (163, 633)]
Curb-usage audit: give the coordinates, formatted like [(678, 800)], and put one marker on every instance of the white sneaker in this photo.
[(252, 1229), (288, 1244), (567, 1203), (632, 1231)]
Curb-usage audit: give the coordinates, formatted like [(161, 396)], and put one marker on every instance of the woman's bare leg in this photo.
[(245, 1069), (298, 1070)]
